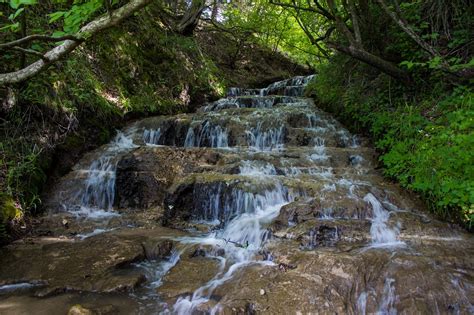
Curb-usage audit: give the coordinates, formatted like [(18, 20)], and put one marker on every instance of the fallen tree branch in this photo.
[(69, 45)]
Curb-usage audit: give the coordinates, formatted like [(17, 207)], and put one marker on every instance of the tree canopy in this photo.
[(392, 36)]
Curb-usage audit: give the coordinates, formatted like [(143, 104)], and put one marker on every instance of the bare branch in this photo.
[(323, 11), (355, 22), (191, 18), (30, 38), (287, 5), (30, 52), (319, 10), (373, 60), (341, 24)]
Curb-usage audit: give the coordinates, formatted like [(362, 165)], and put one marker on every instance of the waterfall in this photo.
[(231, 204), (362, 303), (207, 134), (242, 237), (152, 136), (100, 184), (389, 298), (254, 169), (319, 150), (381, 233), (290, 87), (266, 140), (220, 205), (96, 199)]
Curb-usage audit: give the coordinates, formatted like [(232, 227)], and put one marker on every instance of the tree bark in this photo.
[(191, 18), (372, 60), (356, 49), (215, 10), (407, 29), (68, 46)]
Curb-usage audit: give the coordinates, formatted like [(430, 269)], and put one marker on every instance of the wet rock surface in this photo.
[(69, 266), (257, 203)]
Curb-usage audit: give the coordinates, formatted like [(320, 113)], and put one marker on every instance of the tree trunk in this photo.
[(374, 61), (191, 18), (215, 10)]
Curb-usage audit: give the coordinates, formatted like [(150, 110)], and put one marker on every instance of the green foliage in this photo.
[(436, 160), (274, 27), (77, 15), (135, 70), (425, 137), (23, 161)]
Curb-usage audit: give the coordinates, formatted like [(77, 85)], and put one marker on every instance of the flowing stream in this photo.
[(268, 205)]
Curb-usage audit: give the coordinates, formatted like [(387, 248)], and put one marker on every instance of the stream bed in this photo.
[(257, 203)]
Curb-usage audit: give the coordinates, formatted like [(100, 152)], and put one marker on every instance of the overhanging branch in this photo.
[(69, 45)]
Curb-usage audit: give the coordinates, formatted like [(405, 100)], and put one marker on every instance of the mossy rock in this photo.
[(8, 211)]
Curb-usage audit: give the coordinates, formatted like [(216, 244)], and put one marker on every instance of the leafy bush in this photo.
[(425, 134)]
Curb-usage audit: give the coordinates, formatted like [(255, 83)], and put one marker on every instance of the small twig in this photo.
[(44, 38), (237, 243), (31, 52)]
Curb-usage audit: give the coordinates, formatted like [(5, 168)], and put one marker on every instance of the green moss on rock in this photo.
[(8, 211)]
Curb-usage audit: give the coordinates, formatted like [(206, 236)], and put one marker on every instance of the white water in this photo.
[(93, 233), (319, 150), (96, 198), (152, 136), (387, 304), (291, 87), (155, 270), (382, 235), (251, 168), (260, 139), (219, 204), (241, 238), (207, 134), (362, 303), (19, 286)]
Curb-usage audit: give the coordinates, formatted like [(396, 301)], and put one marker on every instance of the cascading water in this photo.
[(213, 136), (295, 181), (388, 298), (381, 233), (261, 139), (255, 169), (243, 235), (152, 136), (95, 200), (319, 150)]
